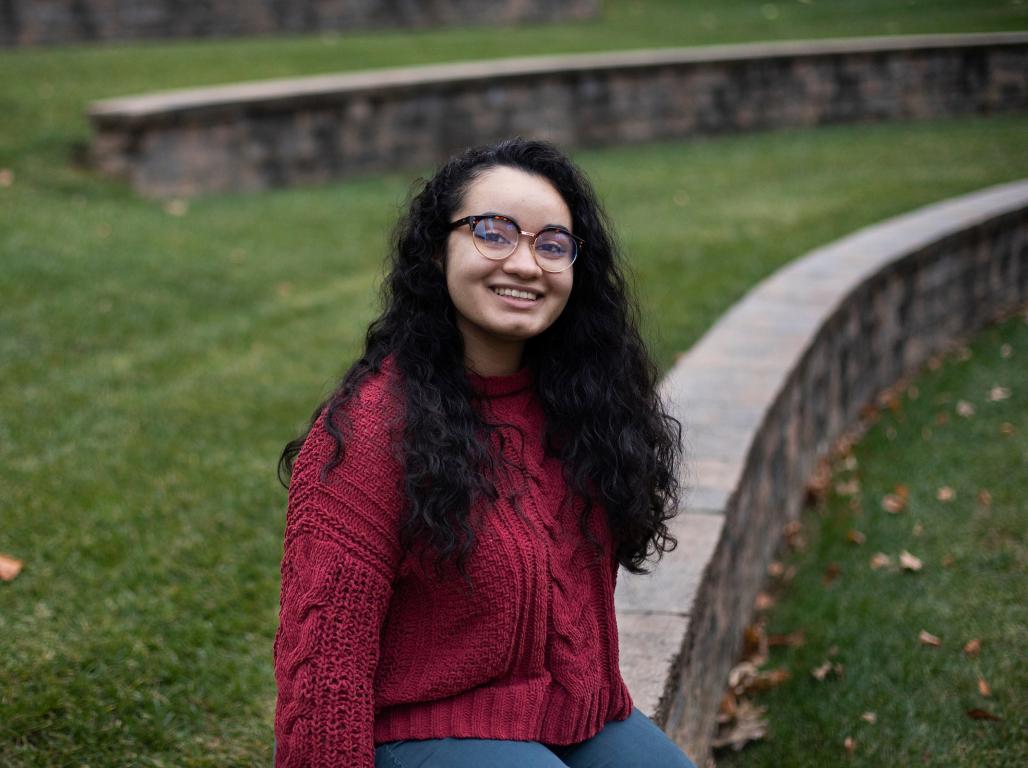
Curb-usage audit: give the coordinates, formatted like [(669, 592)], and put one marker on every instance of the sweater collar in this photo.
[(497, 386)]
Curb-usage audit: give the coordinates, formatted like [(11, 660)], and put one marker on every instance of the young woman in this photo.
[(459, 506)]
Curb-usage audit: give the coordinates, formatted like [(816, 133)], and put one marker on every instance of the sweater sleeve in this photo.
[(340, 556)]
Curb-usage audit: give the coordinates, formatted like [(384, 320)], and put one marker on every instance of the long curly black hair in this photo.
[(593, 376)]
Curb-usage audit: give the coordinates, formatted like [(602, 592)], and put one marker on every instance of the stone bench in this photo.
[(254, 136), (766, 391)]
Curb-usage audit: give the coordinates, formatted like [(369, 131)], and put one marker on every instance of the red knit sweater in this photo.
[(372, 646)]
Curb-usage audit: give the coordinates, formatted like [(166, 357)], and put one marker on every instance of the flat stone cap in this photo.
[(292, 92)]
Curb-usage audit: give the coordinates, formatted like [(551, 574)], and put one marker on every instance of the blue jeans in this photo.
[(636, 742)]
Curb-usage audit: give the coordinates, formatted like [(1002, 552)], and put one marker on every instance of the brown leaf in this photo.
[(909, 562), (984, 498), (998, 393), (830, 573), (927, 638), (941, 418), (965, 409), (848, 488), (763, 601), (832, 668), (981, 714), (948, 560), (833, 650), (791, 640), (775, 569), (855, 537), (850, 744), (748, 725), (893, 503), (1006, 428), (983, 687), (945, 493), (1005, 350), (6, 177), (9, 567), (880, 560), (728, 705), (971, 647), (918, 529), (870, 717)]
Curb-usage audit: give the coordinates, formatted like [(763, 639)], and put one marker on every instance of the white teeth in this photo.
[(515, 293)]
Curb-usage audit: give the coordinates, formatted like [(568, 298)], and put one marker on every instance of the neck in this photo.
[(494, 358)]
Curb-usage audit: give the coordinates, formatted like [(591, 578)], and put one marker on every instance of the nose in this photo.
[(522, 262)]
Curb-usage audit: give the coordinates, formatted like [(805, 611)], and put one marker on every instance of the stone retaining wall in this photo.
[(766, 392), (35, 22), (254, 136)]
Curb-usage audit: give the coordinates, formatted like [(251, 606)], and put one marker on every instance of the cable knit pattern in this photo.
[(375, 646)]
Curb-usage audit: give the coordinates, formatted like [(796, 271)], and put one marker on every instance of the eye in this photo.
[(496, 232), (554, 243)]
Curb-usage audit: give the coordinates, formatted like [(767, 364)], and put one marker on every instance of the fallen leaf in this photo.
[(747, 725), (870, 717), (941, 418), (855, 537), (965, 409), (893, 503), (850, 462), (998, 393), (909, 562), (1006, 428), (791, 640), (971, 647), (947, 560), (728, 705), (9, 567), (945, 493), (176, 207), (927, 638), (983, 687), (763, 601), (849, 744), (6, 177), (984, 498), (880, 560), (918, 529), (830, 573), (775, 569), (1005, 350), (833, 650), (848, 488), (832, 668), (981, 714)]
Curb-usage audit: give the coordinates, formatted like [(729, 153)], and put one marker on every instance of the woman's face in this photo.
[(496, 327)]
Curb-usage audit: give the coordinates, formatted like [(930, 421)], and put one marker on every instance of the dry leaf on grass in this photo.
[(831, 668), (983, 687), (791, 640), (945, 493), (984, 498), (909, 562), (747, 724), (896, 501), (869, 717), (918, 529), (981, 714), (927, 638), (855, 537), (850, 744), (971, 647), (880, 560), (948, 560), (965, 409), (763, 601), (9, 567), (998, 393), (1005, 350), (831, 572), (848, 488), (1006, 428), (775, 569)]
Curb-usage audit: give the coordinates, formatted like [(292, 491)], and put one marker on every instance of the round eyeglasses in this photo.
[(496, 237)]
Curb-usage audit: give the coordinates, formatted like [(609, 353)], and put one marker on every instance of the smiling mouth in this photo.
[(515, 294)]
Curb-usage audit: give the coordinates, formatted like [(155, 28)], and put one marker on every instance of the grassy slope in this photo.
[(152, 365), (919, 693)]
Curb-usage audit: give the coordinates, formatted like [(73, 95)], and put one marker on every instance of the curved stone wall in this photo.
[(37, 22), (767, 390), (253, 136)]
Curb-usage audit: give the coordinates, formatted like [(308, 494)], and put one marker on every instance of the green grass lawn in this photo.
[(972, 584), (152, 363), (43, 92)]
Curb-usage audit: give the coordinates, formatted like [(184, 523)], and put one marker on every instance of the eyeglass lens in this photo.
[(497, 238)]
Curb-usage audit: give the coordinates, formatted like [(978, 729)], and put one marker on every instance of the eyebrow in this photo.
[(507, 215)]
